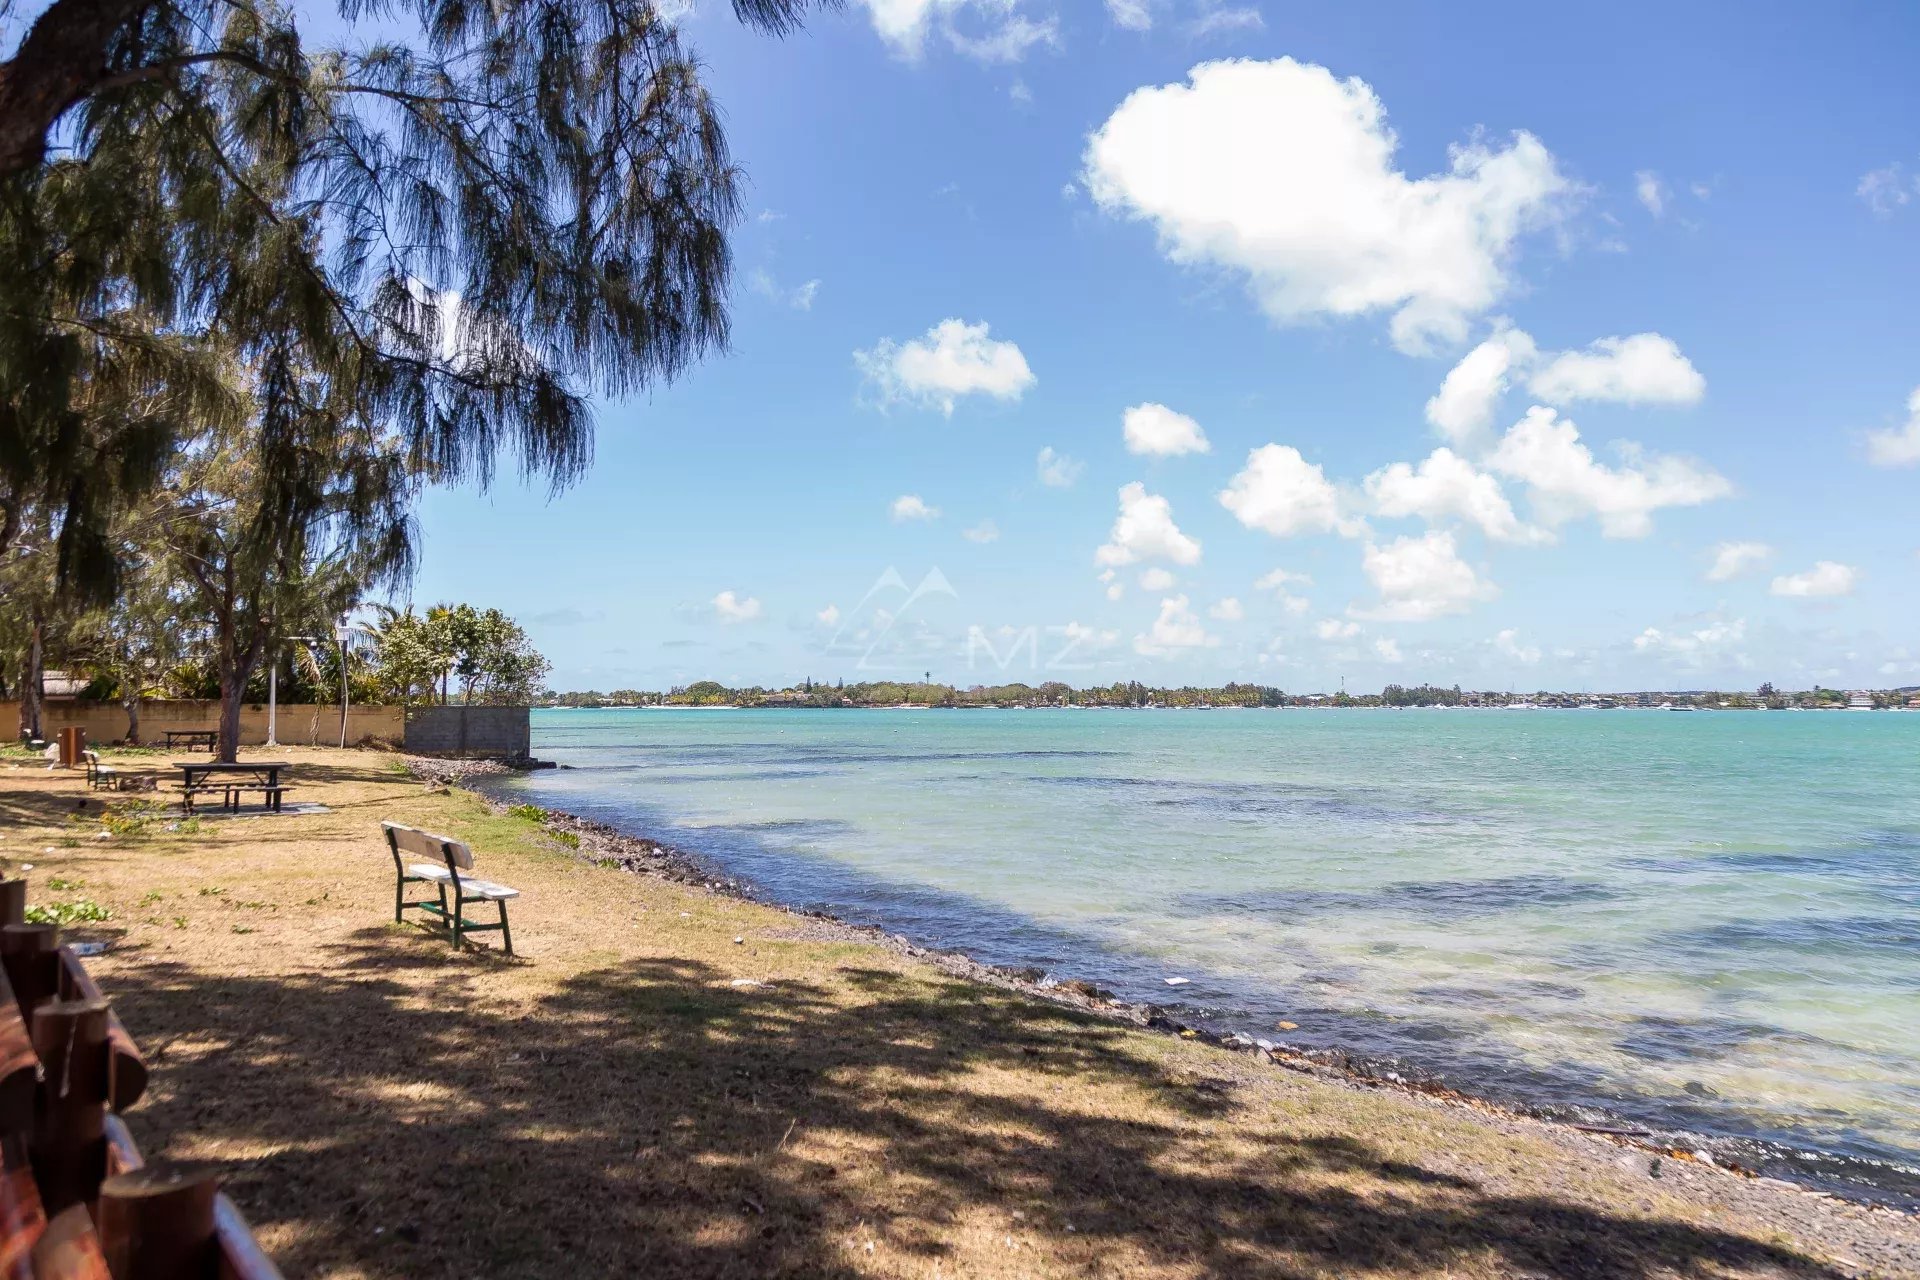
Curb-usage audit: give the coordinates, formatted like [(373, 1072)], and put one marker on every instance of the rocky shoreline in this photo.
[(605, 845)]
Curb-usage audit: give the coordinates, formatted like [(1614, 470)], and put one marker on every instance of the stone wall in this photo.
[(504, 733), (302, 724)]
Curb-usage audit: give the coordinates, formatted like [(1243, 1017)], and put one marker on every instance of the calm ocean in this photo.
[(1703, 923)]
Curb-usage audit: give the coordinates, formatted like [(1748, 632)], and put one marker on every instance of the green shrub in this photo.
[(531, 812), (74, 912)]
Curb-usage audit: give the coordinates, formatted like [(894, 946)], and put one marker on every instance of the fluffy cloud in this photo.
[(1733, 559), (1885, 190), (1462, 410), (1651, 191), (1898, 446), (1336, 629), (1389, 650), (800, 297), (1057, 470), (1827, 578), (985, 531), (953, 359), (1643, 368), (731, 608), (990, 30), (1695, 648), (1564, 482), (1448, 487), (1134, 15), (1507, 645), (1176, 628), (829, 616), (910, 506), (1284, 173), (1157, 579), (1421, 578), (1278, 581), (1145, 530), (1156, 429), (1218, 19), (1227, 610), (1281, 492)]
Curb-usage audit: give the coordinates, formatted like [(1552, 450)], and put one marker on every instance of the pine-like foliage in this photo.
[(462, 234)]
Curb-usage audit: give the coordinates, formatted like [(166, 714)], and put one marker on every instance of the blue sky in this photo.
[(1682, 240)]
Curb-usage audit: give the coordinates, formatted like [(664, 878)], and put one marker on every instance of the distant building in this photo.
[(1859, 700)]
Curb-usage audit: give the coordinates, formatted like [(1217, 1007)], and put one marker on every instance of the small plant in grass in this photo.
[(210, 891), (567, 838), (188, 827), (151, 896), (531, 812), (240, 928), (179, 922), (60, 884), (611, 864), (77, 911), (69, 842)]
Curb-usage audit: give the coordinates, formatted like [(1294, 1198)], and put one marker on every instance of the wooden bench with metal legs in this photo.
[(452, 858)]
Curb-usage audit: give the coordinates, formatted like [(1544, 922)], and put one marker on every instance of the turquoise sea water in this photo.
[(1707, 923)]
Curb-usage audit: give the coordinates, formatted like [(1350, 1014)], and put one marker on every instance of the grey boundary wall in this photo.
[(503, 733)]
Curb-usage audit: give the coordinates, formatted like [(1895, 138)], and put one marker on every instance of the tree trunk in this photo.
[(32, 681), (59, 64), (133, 718), (233, 686)]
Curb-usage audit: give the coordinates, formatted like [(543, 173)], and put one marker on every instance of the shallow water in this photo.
[(1707, 923)]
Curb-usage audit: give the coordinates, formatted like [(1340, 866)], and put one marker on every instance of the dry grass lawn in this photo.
[(638, 1094)]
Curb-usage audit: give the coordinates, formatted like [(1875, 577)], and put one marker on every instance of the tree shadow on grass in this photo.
[(656, 1120)]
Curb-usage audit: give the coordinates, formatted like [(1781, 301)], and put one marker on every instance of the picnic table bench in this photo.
[(191, 738), (231, 780), (450, 858)]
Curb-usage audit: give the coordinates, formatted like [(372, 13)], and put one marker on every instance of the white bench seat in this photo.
[(450, 872)]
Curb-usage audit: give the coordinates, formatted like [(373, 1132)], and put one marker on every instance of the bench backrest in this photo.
[(425, 844), (91, 757)]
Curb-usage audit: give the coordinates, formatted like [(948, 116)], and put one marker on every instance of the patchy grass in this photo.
[(634, 1094), (78, 911)]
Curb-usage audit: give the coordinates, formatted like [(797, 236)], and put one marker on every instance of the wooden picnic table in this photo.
[(191, 738), (218, 775)]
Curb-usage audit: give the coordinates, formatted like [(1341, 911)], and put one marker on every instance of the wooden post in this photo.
[(21, 1218), (129, 1068), (156, 1223), (19, 1066), (13, 901), (69, 1250), (69, 1137), (30, 955)]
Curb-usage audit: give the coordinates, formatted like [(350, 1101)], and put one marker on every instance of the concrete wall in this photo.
[(299, 723), (497, 732)]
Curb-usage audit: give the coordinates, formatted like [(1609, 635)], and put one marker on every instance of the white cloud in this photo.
[(1088, 638), (1462, 410), (1336, 629), (1643, 368), (1564, 482), (985, 531), (1057, 470), (1176, 628), (1651, 191), (1281, 492), (1447, 486), (829, 616), (1020, 93), (1284, 173), (1389, 650), (1218, 20), (1134, 15), (1157, 579), (953, 359), (1734, 559), (910, 506), (1885, 190), (990, 30), (1507, 644), (1826, 579), (731, 608), (1695, 648), (800, 298), (1145, 530), (1898, 446), (1420, 579), (1278, 581), (1156, 429), (1227, 610)]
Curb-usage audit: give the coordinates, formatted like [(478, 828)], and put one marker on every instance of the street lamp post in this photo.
[(341, 631)]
